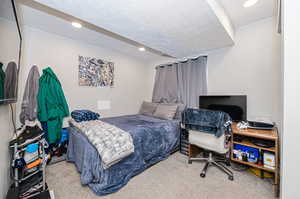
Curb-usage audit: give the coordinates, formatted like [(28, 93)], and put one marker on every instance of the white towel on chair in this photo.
[(208, 141)]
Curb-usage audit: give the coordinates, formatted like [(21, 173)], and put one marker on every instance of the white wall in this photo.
[(8, 52), (291, 135), (251, 67), (61, 54), (9, 40), (6, 129), (46, 49)]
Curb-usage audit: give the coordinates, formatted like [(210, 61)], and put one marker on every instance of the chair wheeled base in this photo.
[(210, 161)]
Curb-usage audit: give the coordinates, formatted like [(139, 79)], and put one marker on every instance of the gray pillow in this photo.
[(148, 108), (180, 109), (166, 111)]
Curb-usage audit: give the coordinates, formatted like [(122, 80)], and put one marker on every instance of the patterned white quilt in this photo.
[(111, 142)]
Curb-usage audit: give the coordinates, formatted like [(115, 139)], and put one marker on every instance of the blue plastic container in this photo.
[(32, 148), (252, 153), (64, 135)]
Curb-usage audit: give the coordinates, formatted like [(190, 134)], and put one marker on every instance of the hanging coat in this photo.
[(29, 103), (2, 78), (10, 81), (52, 104)]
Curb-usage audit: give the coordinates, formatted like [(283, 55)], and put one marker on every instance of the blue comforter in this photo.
[(154, 139)]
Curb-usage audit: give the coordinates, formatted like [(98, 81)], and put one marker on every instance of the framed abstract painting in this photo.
[(95, 72)]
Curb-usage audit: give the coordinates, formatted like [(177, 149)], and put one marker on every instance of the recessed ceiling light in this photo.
[(250, 3), (142, 49), (76, 25)]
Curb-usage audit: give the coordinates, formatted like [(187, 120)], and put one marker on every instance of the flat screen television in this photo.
[(234, 105)]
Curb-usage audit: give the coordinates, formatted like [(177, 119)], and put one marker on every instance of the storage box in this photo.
[(64, 135), (258, 173), (269, 160), (251, 153)]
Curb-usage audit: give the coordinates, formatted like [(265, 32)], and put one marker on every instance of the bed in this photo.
[(154, 140)]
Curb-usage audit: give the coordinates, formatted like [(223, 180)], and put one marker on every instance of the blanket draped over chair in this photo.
[(215, 122)]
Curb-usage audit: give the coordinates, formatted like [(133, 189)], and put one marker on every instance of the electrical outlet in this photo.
[(103, 105)]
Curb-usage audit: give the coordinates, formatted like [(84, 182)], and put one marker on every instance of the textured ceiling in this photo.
[(174, 27), (49, 23), (242, 16)]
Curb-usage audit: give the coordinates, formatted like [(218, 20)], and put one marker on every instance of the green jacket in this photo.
[(52, 104), (2, 78)]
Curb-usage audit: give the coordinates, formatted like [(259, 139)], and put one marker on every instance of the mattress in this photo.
[(154, 140)]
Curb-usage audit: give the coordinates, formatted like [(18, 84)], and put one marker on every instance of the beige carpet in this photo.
[(171, 179)]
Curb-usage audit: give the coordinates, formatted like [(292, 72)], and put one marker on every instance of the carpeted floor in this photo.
[(171, 179)]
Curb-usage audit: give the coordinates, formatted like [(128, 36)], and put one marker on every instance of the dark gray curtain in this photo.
[(181, 82)]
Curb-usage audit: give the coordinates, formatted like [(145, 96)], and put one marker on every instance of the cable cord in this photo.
[(238, 167)]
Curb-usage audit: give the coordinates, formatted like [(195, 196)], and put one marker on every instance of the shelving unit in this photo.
[(254, 165), (19, 180), (248, 143), (247, 134)]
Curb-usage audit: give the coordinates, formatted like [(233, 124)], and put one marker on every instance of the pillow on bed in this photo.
[(148, 108), (166, 111), (180, 109)]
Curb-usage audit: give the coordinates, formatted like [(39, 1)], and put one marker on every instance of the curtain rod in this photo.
[(182, 60)]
